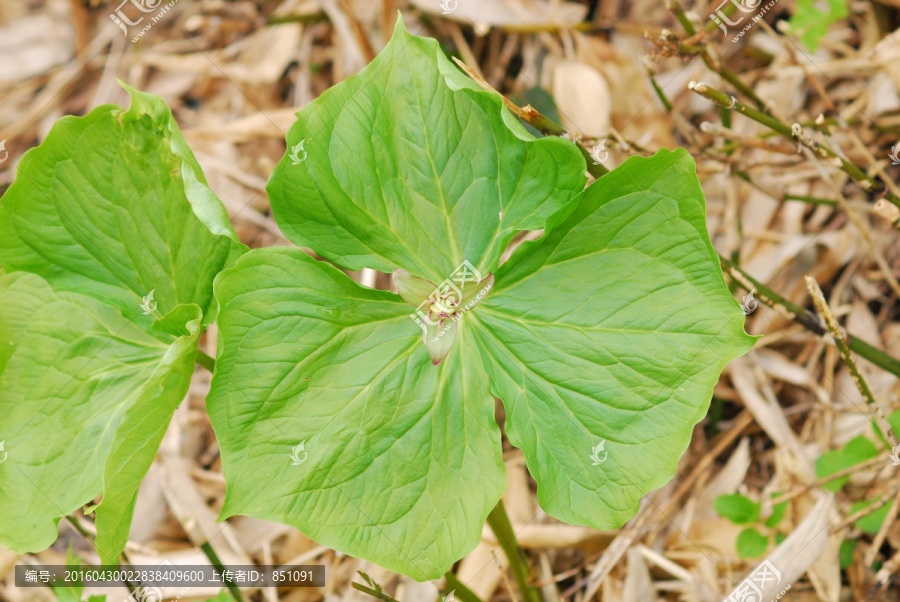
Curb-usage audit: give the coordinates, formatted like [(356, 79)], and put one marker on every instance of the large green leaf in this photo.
[(612, 329), (113, 205), (603, 339), (110, 208), (409, 165), (72, 369), (400, 460)]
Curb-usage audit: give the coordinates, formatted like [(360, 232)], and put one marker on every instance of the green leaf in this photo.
[(114, 206), (137, 440), (872, 523), (603, 339), (846, 553), (113, 240), (74, 589), (894, 420), (401, 461), (751, 543), (777, 513), (614, 327), (857, 450), (410, 165), (811, 22), (76, 369), (738, 509)]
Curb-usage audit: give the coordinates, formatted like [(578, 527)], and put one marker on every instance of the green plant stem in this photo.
[(807, 319), (840, 342), (460, 590), (726, 74), (205, 360), (217, 563), (498, 520), (814, 200), (676, 9), (368, 590), (659, 92), (796, 133)]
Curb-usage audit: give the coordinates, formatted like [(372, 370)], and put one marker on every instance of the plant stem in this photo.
[(795, 132), (460, 590), (714, 65), (815, 200), (205, 360), (659, 91), (806, 319), (368, 590), (841, 343), (216, 562), (498, 520)]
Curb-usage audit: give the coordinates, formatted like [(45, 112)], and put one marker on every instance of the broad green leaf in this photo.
[(400, 461), (751, 543), (112, 217), (410, 165), (846, 553), (871, 523), (75, 378), (777, 514), (737, 508), (138, 437), (114, 206), (812, 18), (857, 450), (612, 328), (894, 420)]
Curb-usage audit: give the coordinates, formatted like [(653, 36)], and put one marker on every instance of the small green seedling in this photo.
[(753, 541)]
